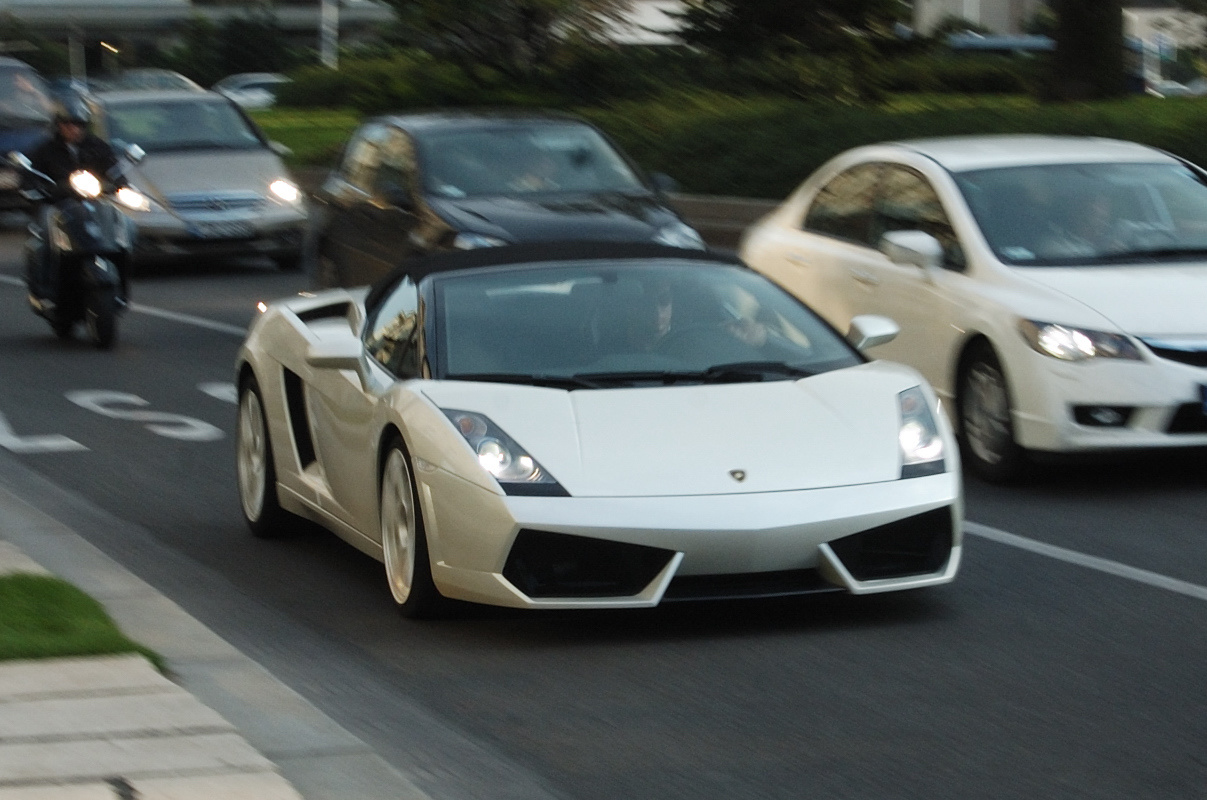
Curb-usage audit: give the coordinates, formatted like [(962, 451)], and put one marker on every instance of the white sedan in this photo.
[(1052, 289), (595, 426)]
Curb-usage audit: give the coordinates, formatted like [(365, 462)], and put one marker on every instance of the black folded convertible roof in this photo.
[(453, 260)]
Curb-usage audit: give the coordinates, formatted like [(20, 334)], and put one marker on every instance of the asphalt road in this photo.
[(1067, 671)]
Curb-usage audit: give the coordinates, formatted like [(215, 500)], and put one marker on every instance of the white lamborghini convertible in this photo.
[(595, 425)]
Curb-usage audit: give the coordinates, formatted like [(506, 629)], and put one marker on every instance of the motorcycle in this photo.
[(78, 251)]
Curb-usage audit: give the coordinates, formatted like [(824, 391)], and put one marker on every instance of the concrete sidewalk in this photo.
[(113, 728)]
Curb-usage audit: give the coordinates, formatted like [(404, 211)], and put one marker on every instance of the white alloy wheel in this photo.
[(252, 454), (256, 475), (398, 540)]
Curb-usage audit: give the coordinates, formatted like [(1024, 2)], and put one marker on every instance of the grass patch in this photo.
[(315, 135), (45, 617)]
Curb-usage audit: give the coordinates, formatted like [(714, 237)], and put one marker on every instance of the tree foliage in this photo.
[(759, 27), (17, 40), (1088, 63), (207, 52), (515, 37)]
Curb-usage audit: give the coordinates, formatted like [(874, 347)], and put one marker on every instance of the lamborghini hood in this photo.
[(835, 429)]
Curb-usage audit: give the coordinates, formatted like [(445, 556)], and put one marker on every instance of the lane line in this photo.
[(174, 316), (1115, 568)]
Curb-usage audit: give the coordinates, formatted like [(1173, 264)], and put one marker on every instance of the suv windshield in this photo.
[(158, 126), (23, 97), (649, 323), (1089, 214), (523, 158)]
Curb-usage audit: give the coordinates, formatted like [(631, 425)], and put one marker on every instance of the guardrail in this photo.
[(719, 219)]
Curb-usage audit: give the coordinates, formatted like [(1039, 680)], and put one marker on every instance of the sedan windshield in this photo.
[(164, 125), (1089, 214), (650, 323), (523, 158)]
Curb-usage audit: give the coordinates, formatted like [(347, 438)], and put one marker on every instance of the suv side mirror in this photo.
[(912, 247), (664, 183), (135, 153), (282, 150)]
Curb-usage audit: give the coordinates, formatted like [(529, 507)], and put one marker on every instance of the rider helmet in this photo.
[(73, 110)]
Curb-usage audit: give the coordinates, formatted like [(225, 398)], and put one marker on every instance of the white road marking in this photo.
[(51, 443), (173, 426), (151, 311), (226, 392), (1091, 562)]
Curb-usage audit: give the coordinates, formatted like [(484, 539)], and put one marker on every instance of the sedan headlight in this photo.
[(921, 443), (285, 190), (472, 241), (1076, 344), (680, 234), (133, 199), (515, 470)]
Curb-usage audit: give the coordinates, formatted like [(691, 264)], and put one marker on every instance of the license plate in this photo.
[(9, 179), (222, 230)]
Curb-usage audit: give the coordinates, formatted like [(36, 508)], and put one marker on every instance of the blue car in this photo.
[(25, 114)]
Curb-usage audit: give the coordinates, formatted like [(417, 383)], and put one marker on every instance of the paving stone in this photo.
[(23, 680), (97, 759), (165, 713), (257, 786)]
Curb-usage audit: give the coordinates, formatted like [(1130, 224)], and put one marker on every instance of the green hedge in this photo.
[(763, 147)]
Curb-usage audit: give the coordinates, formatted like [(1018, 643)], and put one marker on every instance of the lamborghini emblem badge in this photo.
[(738, 475)]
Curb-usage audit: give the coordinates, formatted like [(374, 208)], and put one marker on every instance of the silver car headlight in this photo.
[(515, 470), (286, 191), (680, 234), (1076, 344), (472, 241), (921, 443), (135, 200)]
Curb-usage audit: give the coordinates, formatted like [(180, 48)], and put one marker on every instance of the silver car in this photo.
[(210, 183)]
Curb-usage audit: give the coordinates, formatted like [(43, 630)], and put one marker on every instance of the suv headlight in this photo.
[(919, 437), (680, 234), (133, 199), (1076, 344), (516, 471), (286, 191)]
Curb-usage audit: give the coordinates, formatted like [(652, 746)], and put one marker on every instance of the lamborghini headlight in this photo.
[(85, 184), (515, 470), (919, 437), (1076, 344)]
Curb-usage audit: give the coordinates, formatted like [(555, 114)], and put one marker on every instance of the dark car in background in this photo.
[(25, 112), (415, 183)]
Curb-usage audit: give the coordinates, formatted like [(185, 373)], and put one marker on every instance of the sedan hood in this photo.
[(207, 171), (614, 217), (1143, 300), (835, 429)]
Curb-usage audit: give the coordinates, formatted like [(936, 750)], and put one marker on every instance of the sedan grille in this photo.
[(544, 564), (217, 203), (1186, 351)]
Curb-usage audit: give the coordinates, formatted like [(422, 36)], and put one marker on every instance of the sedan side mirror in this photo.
[(871, 330), (19, 159), (912, 247)]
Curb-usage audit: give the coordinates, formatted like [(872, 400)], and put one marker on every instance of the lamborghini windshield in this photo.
[(636, 323)]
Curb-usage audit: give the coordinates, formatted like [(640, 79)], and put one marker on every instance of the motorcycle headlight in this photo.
[(1076, 344), (921, 443), (285, 190), (85, 184), (472, 241), (515, 470), (680, 234), (133, 199)]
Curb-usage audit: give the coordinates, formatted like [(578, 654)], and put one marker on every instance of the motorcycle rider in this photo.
[(73, 147)]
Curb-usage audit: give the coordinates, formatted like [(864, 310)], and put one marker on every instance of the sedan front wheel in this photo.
[(986, 419)]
